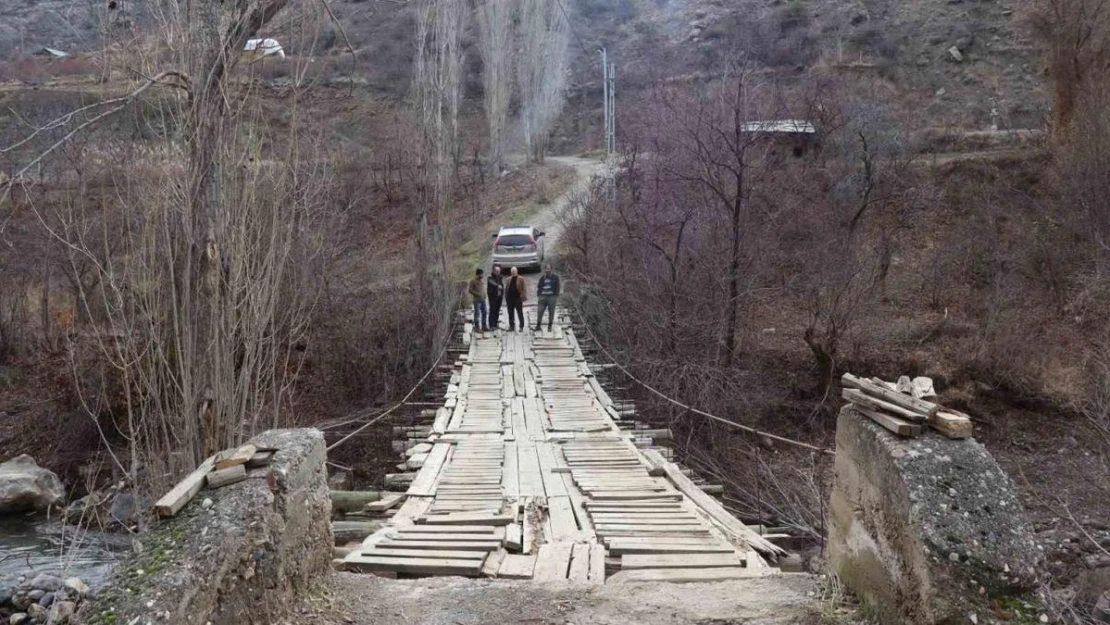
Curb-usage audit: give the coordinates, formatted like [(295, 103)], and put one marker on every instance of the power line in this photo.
[(574, 32)]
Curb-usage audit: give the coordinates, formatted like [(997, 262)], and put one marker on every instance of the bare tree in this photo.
[(544, 41), (495, 30), (437, 85), (1077, 33), (198, 299)]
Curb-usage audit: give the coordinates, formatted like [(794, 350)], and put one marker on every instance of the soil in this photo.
[(355, 599)]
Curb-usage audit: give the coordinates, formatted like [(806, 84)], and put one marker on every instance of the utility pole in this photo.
[(612, 108), (609, 89)]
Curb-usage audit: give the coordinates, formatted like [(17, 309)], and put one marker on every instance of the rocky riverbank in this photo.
[(46, 598)]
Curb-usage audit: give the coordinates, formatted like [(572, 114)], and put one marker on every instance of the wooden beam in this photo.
[(894, 424), (353, 500), (225, 477), (858, 398), (952, 424), (172, 502), (909, 402)]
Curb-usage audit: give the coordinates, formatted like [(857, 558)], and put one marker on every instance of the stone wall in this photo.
[(925, 530), (234, 555)]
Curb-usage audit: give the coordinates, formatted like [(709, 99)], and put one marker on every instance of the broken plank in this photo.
[(952, 424), (435, 545), (493, 562)]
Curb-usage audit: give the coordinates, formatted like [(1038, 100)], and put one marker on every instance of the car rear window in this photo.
[(514, 240)]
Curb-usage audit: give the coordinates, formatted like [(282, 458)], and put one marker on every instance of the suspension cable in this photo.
[(702, 413)]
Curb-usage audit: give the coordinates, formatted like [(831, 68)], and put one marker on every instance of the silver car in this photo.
[(518, 246)]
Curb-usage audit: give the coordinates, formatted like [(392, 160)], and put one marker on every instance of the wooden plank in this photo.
[(597, 563), (417, 566), (919, 406), (468, 519), (717, 512), (449, 529), (224, 477), (624, 546), (861, 400), (563, 525), (233, 457), (679, 576), (517, 566), (433, 545), (579, 563), (443, 416), (553, 562), (444, 554), (894, 424), (952, 424), (172, 502), (655, 462), (424, 482), (352, 500), (679, 561)]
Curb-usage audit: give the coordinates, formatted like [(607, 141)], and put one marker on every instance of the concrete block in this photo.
[(925, 529)]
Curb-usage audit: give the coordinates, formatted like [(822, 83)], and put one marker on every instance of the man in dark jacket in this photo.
[(495, 290), (547, 292), (516, 292)]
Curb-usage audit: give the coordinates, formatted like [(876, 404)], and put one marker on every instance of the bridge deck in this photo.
[(529, 477)]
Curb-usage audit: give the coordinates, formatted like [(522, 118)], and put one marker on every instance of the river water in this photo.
[(33, 545)]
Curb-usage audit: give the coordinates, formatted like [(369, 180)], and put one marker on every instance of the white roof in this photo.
[(793, 126), (515, 230), (268, 47)]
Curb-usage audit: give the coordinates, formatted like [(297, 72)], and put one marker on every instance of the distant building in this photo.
[(797, 135), (50, 53), (259, 48)]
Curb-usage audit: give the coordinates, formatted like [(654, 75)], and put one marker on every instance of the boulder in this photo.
[(46, 582), (77, 587), (126, 508), (27, 487), (60, 613), (19, 618)]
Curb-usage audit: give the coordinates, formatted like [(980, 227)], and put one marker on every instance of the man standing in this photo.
[(477, 290), (516, 291), (547, 290), (495, 290)]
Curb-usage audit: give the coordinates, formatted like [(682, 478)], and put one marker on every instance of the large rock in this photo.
[(925, 530), (27, 487), (240, 560)]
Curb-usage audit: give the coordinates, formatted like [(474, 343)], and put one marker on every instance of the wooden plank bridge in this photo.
[(529, 477)]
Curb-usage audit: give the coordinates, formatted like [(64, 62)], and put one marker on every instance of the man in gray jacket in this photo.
[(547, 292)]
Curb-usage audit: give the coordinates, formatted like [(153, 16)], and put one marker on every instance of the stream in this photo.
[(33, 545)]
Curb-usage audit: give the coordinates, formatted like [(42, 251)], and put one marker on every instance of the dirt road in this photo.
[(367, 600)]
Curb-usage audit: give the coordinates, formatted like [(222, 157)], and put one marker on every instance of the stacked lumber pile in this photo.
[(223, 469), (902, 407)]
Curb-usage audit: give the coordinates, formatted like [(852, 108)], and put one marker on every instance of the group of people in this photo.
[(488, 295)]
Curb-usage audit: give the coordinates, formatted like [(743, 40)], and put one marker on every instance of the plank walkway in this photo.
[(529, 477)]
